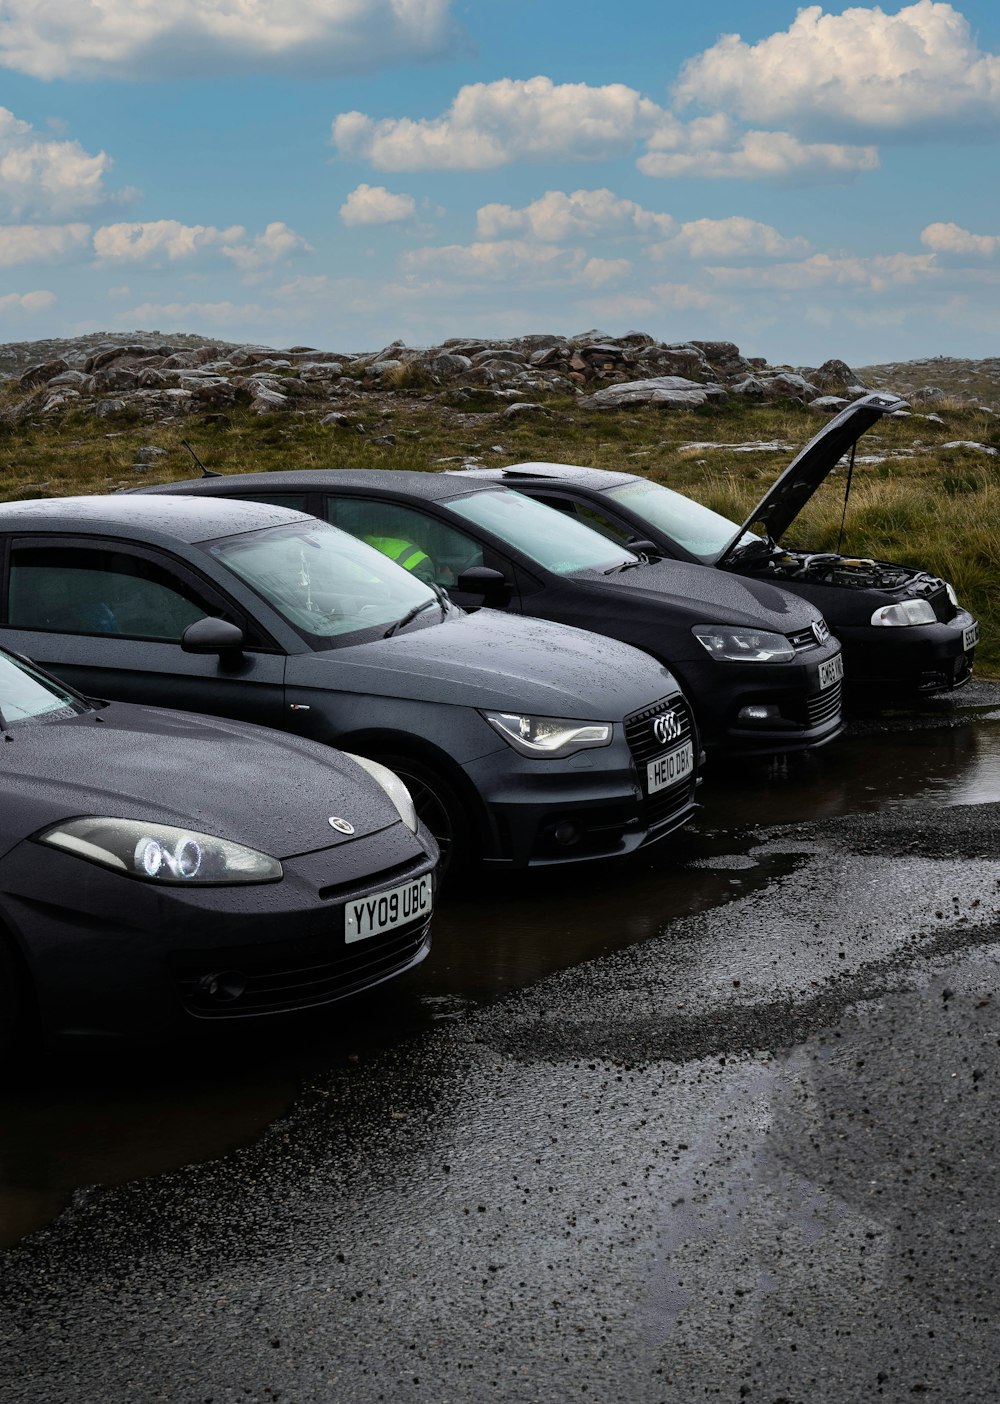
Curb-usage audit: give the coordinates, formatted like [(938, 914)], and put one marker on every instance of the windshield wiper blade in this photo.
[(627, 565), (412, 614)]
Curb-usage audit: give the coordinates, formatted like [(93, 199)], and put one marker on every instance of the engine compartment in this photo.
[(827, 568)]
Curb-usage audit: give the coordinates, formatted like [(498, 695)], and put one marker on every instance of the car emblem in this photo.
[(667, 727), (821, 630), (341, 825)]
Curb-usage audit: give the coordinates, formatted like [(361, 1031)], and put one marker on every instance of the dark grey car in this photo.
[(522, 742), (159, 869)]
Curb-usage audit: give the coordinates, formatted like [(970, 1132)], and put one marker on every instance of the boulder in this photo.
[(828, 404), (40, 375), (667, 391), (833, 375), (523, 409)]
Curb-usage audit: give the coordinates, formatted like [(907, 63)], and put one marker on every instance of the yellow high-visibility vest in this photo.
[(399, 549)]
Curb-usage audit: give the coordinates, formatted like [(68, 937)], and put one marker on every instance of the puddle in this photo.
[(110, 1117)]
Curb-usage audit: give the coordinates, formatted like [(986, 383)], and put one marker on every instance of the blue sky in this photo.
[(806, 182)]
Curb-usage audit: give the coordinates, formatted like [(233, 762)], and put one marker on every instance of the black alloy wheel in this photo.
[(438, 808)]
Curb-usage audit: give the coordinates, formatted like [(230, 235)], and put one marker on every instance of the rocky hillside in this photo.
[(161, 378)]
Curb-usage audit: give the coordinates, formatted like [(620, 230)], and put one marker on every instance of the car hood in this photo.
[(702, 594), (493, 660), (273, 792), (779, 507)]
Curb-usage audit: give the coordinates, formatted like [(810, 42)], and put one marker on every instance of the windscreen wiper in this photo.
[(627, 565), (412, 614)]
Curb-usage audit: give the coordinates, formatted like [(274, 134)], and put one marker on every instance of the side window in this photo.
[(589, 516), (431, 549), (76, 591)]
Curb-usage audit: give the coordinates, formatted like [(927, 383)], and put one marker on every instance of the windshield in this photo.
[(698, 529), (25, 696), (544, 535), (322, 581)]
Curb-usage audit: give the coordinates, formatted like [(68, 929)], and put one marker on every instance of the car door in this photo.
[(108, 616), (421, 541)]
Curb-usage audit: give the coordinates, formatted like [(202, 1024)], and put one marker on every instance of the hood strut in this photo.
[(847, 493)]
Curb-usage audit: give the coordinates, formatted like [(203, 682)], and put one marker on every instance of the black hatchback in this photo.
[(522, 742), (758, 664), (902, 628)]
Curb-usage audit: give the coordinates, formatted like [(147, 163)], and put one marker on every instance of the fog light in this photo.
[(759, 712), (566, 834), (223, 985)]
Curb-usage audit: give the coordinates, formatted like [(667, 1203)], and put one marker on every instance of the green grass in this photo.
[(922, 504)]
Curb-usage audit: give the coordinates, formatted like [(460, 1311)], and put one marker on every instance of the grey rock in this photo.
[(337, 420), (379, 368), (753, 388), (925, 393), (969, 444), (833, 375), (107, 409), (149, 453), (668, 391), (524, 409), (40, 375), (786, 385), (828, 404), (496, 356), (267, 401)]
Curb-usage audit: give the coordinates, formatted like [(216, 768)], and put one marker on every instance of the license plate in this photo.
[(831, 671), (667, 770), (370, 916), (970, 636)]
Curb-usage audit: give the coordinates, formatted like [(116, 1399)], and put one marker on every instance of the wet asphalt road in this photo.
[(753, 1157)]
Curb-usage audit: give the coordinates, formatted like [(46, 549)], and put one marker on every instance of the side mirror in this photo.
[(212, 635), (641, 547), (481, 580)]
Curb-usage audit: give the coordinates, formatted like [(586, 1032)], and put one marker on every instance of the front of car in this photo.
[(159, 869)]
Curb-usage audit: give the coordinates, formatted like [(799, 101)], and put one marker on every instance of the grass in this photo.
[(919, 503)]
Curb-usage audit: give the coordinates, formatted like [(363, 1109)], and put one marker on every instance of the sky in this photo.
[(807, 182)]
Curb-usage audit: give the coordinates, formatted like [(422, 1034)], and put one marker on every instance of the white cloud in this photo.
[(41, 176), (168, 241), (733, 237), (583, 214), (136, 38), (40, 243), (824, 270), (863, 68), (952, 239), (752, 155), (373, 204), (514, 261), (183, 316), (682, 297), (493, 124), (27, 302)]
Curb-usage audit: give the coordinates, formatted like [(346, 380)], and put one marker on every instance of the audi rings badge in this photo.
[(667, 727)]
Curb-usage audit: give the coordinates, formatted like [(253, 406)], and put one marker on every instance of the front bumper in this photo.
[(112, 955), (923, 658), (593, 805)]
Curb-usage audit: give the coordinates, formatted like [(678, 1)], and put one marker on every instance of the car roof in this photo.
[(175, 518), (430, 486), (595, 478)]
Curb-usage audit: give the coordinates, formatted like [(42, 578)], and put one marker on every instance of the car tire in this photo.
[(439, 808)]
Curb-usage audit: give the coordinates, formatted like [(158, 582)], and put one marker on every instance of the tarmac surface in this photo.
[(749, 1157)]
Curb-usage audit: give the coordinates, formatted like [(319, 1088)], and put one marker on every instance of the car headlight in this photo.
[(393, 786), (906, 612), (951, 594), (549, 736), (732, 645), (160, 853)]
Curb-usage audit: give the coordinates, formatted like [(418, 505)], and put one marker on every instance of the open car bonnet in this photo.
[(782, 503)]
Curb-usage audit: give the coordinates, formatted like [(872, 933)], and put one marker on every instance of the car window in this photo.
[(590, 516), (75, 590), (546, 537), (426, 546), (696, 528), (326, 584), (25, 696)]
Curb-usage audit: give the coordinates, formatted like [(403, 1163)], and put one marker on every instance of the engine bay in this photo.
[(827, 568)]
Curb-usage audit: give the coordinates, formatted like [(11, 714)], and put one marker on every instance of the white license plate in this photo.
[(831, 671), (369, 916), (970, 636), (666, 770)]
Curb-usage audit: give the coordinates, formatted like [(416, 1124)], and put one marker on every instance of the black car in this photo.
[(158, 868), (757, 663), (902, 628), (521, 742)]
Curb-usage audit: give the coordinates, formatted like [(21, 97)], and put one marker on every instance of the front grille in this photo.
[(803, 638), (645, 745), (294, 974), (825, 706)]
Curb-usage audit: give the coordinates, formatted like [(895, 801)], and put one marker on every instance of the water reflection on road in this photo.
[(112, 1117)]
